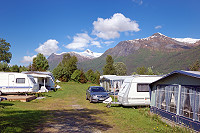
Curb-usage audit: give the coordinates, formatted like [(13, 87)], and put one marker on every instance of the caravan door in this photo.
[(11, 82)]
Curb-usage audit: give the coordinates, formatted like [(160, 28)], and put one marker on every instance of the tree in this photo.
[(97, 75), (5, 55), (90, 76), (4, 67), (65, 68), (109, 68), (76, 75), (83, 78), (145, 71), (22, 68), (120, 68), (195, 66), (14, 68), (40, 63)]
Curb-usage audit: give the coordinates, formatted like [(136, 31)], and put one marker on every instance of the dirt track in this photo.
[(74, 120)]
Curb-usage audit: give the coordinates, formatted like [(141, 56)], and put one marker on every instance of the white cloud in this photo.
[(69, 37), (139, 2), (81, 41), (96, 43), (110, 28), (27, 59), (158, 27), (108, 42), (49, 47)]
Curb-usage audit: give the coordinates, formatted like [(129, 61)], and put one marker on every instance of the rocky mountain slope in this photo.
[(157, 41), (162, 53)]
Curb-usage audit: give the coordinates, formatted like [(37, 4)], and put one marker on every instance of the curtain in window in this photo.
[(197, 104), (176, 90), (183, 98), (162, 98), (167, 98), (170, 94), (192, 97), (158, 97), (186, 106)]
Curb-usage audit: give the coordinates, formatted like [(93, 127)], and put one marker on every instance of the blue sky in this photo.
[(55, 26)]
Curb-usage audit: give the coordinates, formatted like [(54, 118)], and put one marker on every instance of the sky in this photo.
[(56, 26)]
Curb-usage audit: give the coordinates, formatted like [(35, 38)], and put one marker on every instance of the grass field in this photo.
[(66, 110)]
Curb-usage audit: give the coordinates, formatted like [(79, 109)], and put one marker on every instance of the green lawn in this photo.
[(68, 108)]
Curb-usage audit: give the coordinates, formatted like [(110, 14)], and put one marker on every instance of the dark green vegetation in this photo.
[(66, 110), (159, 61), (5, 55), (109, 69), (65, 68), (120, 68), (40, 63), (15, 68)]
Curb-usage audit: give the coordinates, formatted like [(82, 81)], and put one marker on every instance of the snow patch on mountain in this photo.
[(186, 40), (87, 53)]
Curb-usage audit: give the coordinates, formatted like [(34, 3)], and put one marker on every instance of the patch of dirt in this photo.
[(75, 120)]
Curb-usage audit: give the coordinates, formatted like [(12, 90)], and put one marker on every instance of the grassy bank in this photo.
[(67, 109)]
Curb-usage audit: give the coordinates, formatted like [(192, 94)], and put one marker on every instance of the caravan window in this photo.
[(20, 80), (33, 80), (143, 88)]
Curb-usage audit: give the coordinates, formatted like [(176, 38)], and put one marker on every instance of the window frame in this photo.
[(142, 84), (20, 79)]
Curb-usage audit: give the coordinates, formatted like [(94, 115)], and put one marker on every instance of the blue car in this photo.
[(2, 99), (96, 94)]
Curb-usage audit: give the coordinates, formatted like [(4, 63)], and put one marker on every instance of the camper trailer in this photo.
[(135, 90), (45, 80), (11, 82)]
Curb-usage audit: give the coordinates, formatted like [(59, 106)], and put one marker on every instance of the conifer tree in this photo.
[(109, 68)]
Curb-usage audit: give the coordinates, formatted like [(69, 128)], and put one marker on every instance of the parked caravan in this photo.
[(135, 90), (45, 80), (11, 82), (112, 82)]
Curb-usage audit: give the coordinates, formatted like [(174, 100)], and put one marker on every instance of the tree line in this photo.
[(67, 70)]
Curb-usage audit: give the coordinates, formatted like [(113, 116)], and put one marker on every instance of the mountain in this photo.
[(54, 59), (157, 42), (162, 53), (88, 53)]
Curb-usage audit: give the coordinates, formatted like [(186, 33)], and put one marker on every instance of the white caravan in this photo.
[(11, 82), (135, 90), (45, 80)]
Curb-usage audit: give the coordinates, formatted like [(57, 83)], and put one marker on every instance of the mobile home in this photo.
[(11, 82), (176, 97), (112, 82), (45, 80), (135, 90)]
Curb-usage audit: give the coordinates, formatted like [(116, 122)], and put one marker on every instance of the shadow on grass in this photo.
[(73, 120), (6, 104)]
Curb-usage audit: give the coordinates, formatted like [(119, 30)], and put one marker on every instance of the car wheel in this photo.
[(86, 97), (90, 99)]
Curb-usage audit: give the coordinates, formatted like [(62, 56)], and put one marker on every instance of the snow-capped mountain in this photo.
[(54, 59), (87, 53), (187, 40), (90, 54), (157, 41)]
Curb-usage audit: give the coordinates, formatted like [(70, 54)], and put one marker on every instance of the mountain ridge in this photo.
[(131, 52)]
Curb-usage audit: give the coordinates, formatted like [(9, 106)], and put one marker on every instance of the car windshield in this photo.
[(98, 89)]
